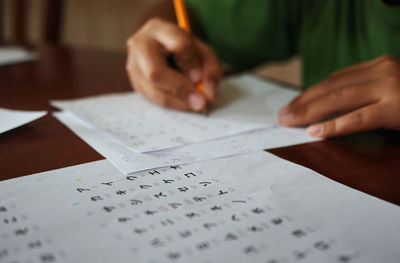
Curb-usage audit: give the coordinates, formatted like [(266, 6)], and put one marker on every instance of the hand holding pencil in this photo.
[(192, 86)]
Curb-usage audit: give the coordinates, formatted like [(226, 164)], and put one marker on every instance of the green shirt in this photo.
[(327, 34)]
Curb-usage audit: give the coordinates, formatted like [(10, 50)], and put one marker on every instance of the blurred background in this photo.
[(94, 24)]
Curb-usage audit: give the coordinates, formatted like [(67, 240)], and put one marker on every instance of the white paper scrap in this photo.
[(13, 55), (10, 119)]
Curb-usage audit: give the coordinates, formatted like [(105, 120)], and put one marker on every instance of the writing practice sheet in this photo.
[(247, 104), (247, 208), (12, 55), (129, 161), (10, 119)]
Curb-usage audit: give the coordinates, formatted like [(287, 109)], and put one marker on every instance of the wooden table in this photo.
[(369, 162)]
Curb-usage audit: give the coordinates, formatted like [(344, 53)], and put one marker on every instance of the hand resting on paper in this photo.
[(366, 95)]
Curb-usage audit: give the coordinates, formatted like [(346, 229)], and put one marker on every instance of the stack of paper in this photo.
[(136, 135), (178, 205)]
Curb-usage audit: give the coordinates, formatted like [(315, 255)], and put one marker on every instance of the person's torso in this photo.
[(338, 33)]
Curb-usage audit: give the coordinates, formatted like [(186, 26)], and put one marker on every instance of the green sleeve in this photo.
[(245, 33)]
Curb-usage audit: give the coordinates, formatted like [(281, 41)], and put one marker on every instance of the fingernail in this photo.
[(315, 130), (285, 114), (195, 75), (196, 101)]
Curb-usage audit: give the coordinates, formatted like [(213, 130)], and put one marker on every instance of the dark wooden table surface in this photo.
[(369, 162)]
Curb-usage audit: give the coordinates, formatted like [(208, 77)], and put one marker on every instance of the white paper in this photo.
[(129, 161), (247, 104), (13, 55), (247, 208), (10, 119)]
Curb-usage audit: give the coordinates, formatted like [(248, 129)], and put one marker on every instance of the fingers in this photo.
[(150, 73), (366, 118), (159, 96), (360, 66), (333, 84), (194, 58), (211, 71), (159, 79), (179, 43), (338, 101), (353, 75), (166, 100), (369, 91)]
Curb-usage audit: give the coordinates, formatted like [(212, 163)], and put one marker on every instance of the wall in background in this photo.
[(87, 23), (102, 23), (34, 12)]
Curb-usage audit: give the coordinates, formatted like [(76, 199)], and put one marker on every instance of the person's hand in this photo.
[(367, 95), (151, 75)]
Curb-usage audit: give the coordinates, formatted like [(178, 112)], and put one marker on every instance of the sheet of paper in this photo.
[(247, 104), (12, 55), (129, 161), (248, 208), (10, 119)]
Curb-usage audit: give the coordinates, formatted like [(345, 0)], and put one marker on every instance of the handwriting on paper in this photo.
[(247, 104), (215, 211)]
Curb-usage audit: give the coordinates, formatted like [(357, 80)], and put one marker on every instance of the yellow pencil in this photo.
[(183, 22)]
